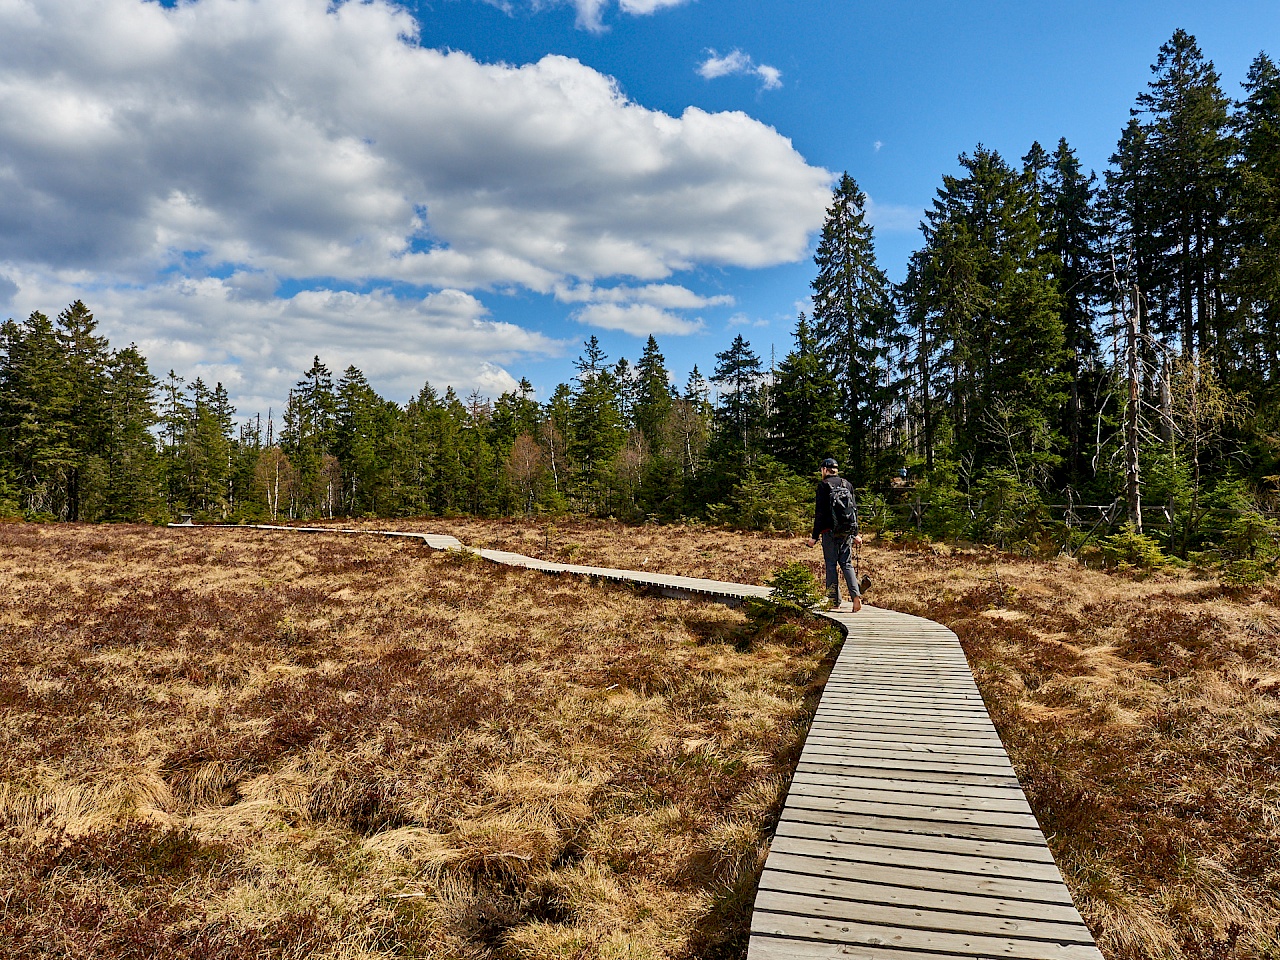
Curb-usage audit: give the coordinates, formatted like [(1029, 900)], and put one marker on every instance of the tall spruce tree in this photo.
[(1186, 149), (855, 324), (653, 393), (803, 426), (986, 280), (1255, 214)]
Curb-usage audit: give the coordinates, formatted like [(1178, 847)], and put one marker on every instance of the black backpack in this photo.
[(844, 509)]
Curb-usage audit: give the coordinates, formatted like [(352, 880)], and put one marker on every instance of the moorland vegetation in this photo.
[(1060, 343)]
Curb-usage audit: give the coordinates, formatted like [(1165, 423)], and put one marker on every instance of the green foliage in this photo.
[(1128, 549), (1008, 511), (768, 498), (793, 591)]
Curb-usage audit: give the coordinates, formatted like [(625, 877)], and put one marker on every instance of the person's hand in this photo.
[(858, 539), (813, 542)]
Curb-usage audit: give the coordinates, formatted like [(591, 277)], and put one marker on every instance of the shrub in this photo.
[(793, 590), (1128, 548)]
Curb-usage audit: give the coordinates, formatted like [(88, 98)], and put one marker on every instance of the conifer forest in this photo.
[(1070, 354)]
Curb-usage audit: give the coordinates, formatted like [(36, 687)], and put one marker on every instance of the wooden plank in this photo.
[(1032, 861), (1010, 803), (897, 938), (833, 727), (944, 788), (951, 817), (934, 915), (919, 888), (897, 759), (920, 870), (819, 816), (906, 771)]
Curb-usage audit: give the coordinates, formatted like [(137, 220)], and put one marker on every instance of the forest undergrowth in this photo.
[(228, 744), (236, 744)]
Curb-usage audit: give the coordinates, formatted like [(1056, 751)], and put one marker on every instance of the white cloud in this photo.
[(590, 13), (642, 7), (234, 331), (640, 319), (316, 141), (669, 295), (738, 63), (742, 320), (318, 144)]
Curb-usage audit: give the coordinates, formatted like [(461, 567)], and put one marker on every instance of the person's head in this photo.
[(829, 467)]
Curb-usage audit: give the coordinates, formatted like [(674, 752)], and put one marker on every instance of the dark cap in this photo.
[(830, 464)]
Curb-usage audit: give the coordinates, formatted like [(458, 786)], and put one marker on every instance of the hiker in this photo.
[(835, 523)]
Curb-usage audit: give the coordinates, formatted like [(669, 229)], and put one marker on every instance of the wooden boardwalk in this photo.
[(905, 835)]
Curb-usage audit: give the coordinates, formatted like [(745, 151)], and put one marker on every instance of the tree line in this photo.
[(1058, 337)]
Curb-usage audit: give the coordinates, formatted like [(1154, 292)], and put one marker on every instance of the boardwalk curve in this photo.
[(905, 835)]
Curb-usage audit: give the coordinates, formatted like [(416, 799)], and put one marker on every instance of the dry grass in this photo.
[(1143, 715), (229, 744)]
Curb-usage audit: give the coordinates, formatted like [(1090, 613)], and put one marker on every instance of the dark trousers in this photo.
[(839, 560)]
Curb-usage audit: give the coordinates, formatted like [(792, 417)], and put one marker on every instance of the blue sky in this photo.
[(464, 191)]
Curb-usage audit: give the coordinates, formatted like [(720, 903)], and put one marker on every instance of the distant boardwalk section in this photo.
[(906, 835)]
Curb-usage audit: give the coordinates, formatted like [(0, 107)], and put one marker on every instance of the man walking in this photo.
[(835, 523)]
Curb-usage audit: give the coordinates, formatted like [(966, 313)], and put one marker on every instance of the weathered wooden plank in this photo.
[(929, 916), (906, 773), (951, 817), (970, 831), (1009, 803), (897, 760), (857, 781), (958, 872), (1030, 860), (899, 938), (919, 888)]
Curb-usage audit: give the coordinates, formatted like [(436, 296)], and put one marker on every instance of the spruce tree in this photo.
[(855, 324), (134, 488), (1187, 145), (653, 393), (1255, 281), (804, 428)]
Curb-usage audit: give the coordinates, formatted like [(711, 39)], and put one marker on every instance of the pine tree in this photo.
[(85, 358), (1073, 233), (595, 425), (36, 405), (855, 324)]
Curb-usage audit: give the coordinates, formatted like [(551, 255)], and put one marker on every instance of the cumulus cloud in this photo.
[(590, 13), (234, 331), (639, 319), (321, 145), (738, 63), (318, 141)]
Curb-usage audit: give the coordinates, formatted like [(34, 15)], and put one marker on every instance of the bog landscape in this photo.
[(237, 743), (222, 739)]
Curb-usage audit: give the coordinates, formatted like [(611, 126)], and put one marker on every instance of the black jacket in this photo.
[(822, 518)]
